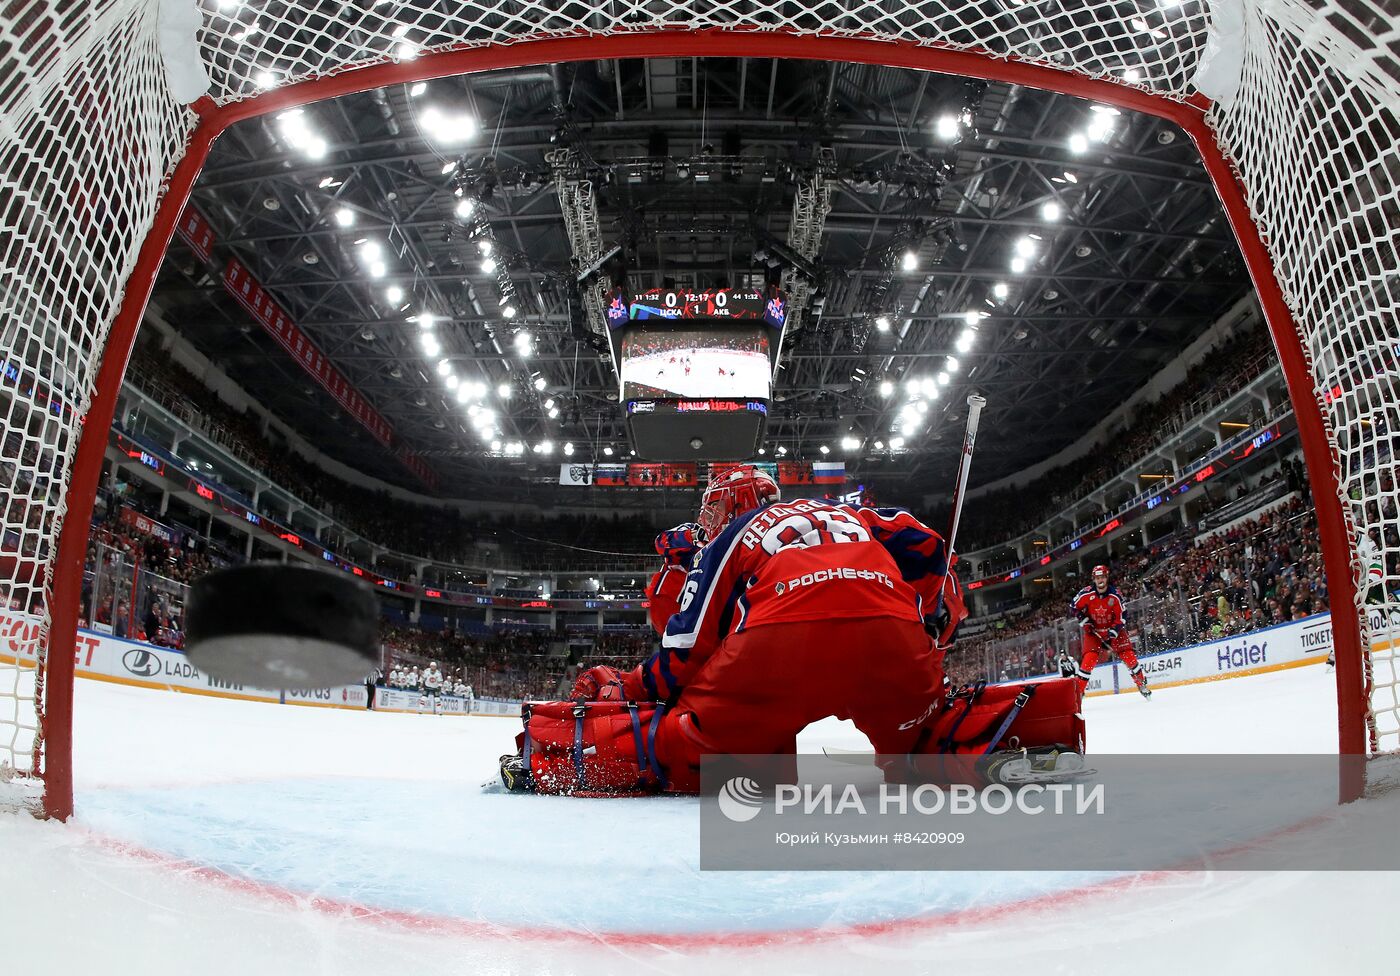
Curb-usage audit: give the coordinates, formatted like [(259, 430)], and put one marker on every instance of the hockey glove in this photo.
[(600, 683), (679, 545)]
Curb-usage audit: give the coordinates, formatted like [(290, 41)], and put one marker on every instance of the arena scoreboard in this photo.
[(695, 369)]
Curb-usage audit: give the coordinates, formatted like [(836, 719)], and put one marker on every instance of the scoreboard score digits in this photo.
[(719, 303)]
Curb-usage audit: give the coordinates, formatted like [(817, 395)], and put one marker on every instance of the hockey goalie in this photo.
[(773, 615)]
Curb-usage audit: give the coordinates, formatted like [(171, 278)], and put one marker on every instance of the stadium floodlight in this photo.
[(929, 386), (824, 449), (504, 391), (524, 344), (394, 294), (943, 378), (849, 443), (966, 340), (545, 447), (972, 318), (1018, 265), (451, 379), (427, 321), (568, 449), (418, 89), (444, 367), (886, 388), (947, 127), (430, 344), (508, 311), (910, 261), (1000, 290), (488, 266), (345, 217), (1051, 212), (882, 322), (896, 443), (554, 413), (463, 394), (1078, 143), (446, 127), (540, 384), (485, 246), (495, 447), (953, 364), (1025, 247), (607, 452), (549, 404), (465, 208)]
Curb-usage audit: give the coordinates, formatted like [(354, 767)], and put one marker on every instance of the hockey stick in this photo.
[(975, 403)]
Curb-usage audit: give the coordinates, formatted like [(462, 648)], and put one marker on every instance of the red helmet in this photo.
[(740, 489), (1100, 570)]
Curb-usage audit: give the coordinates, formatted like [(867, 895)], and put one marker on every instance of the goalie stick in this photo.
[(975, 403)]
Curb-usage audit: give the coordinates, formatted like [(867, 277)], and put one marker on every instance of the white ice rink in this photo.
[(699, 373), (216, 836)]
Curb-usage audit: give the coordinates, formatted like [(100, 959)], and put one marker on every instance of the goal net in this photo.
[(107, 109)]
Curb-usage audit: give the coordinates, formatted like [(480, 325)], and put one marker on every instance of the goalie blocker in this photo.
[(999, 733)]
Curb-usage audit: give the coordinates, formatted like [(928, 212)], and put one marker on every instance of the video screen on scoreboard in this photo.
[(717, 361)]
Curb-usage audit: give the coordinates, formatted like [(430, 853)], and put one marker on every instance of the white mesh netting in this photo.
[(89, 131)]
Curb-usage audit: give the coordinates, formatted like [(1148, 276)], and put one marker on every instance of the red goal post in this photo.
[(97, 160)]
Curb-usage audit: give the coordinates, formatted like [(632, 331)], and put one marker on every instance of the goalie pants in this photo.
[(763, 686), (1120, 645)]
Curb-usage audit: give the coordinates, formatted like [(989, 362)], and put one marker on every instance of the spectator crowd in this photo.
[(1005, 514), (1179, 591)]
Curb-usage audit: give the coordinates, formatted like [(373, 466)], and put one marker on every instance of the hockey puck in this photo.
[(269, 625)]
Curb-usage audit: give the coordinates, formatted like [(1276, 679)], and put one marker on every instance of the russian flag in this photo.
[(828, 472)]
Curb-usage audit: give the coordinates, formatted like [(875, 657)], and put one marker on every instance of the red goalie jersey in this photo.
[(802, 560)]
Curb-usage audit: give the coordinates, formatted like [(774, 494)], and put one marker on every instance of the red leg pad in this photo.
[(588, 748), (1050, 717)]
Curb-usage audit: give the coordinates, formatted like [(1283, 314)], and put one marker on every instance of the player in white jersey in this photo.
[(432, 684), (1372, 580)]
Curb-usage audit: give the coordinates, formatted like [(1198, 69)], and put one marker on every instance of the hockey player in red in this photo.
[(1100, 611), (792, 612)]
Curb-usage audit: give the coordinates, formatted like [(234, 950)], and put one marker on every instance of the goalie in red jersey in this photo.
[(790, 613), (1100, 611)]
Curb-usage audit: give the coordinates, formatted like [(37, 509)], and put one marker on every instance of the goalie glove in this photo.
[(679, 545), (600, 683)]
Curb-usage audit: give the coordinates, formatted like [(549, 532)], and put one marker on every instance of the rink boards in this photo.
[(1291, 645), (104, 657), (118, 660)]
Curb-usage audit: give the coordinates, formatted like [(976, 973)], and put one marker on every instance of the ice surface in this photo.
[(287, 839)]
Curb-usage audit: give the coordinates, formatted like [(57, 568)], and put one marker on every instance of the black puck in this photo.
[(270, 625)]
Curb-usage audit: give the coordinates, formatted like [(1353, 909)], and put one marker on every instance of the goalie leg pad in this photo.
[(979, 720), (590, 748)]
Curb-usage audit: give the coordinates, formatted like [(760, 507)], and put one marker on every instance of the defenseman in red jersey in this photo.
[(1100, 612)]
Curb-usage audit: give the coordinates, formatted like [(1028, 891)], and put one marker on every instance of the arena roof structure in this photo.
[(1048, 252)]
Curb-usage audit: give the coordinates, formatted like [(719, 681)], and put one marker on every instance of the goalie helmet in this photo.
[(732, 493)]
